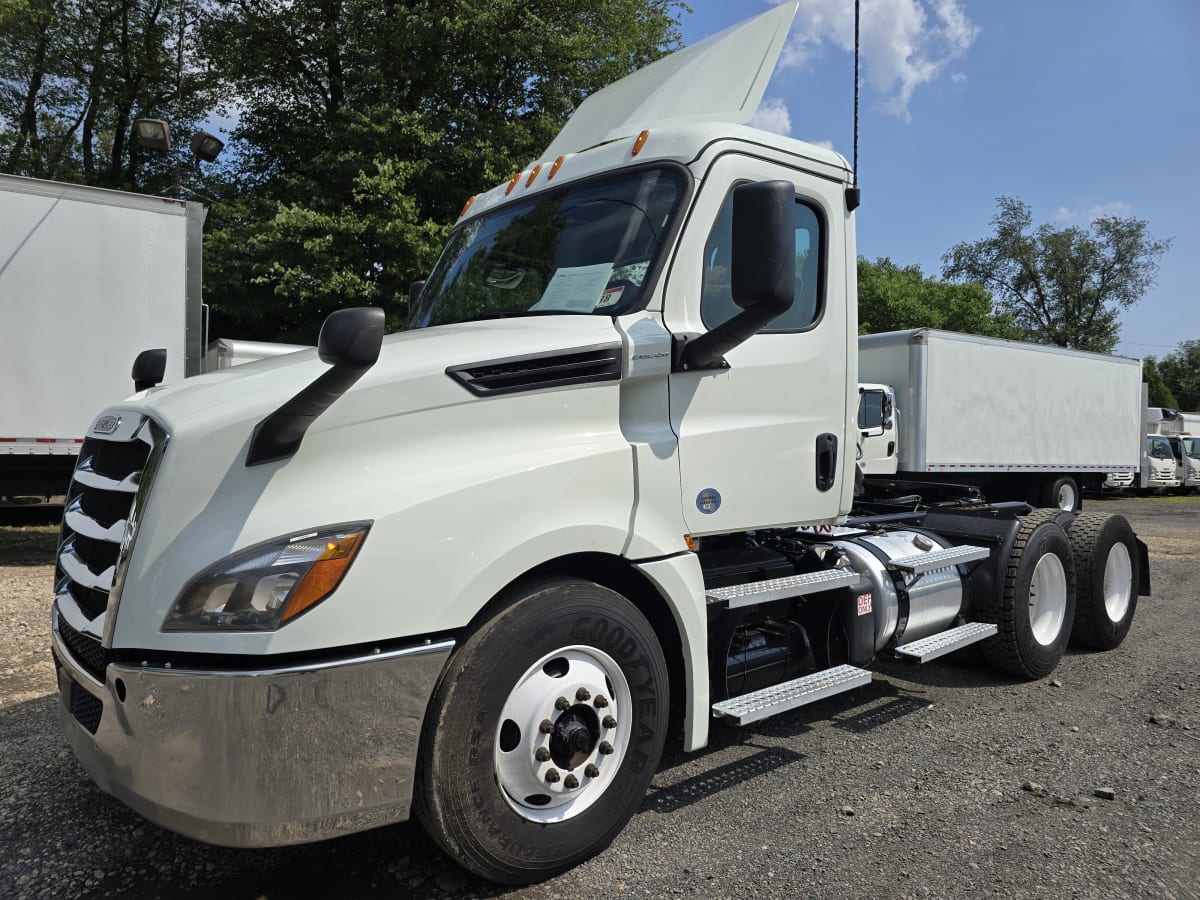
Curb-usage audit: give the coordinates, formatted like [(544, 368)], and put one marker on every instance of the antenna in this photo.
[(853, 194)]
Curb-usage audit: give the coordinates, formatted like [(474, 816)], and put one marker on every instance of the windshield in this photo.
[(1160, 449), (586, 248), (1191, 446)]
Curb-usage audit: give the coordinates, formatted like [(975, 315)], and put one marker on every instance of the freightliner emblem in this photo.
[(107, 424)]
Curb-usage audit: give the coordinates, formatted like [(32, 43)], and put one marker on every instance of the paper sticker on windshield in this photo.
[(610, 296), (708, 501), (575, 288)]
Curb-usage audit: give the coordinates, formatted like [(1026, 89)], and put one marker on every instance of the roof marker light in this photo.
[(640, 142), (467, 206), (554, 168), (512, 184), (533, 174)]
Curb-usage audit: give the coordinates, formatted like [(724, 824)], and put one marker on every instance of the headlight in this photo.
[(266, 586)]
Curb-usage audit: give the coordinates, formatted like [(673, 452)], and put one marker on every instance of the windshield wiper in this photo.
[(517, 314)]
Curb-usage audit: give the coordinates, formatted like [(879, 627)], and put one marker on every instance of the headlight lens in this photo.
[(266, 586)]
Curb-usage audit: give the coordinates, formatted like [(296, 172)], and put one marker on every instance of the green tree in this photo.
[(1181, 373), (363, 126), (76, 74), (1159, 393), (1063, 286), (892, 298)]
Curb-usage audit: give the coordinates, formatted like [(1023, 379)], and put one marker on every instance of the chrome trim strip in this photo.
[(66, 606), (81, 523), (85, 474), (319, 666), (79, 573), (157, 437)]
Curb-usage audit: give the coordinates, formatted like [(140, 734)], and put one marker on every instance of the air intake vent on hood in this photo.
[(540, 370)]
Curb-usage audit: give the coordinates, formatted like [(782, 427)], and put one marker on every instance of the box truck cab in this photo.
[(1160, 469), (599, 490)]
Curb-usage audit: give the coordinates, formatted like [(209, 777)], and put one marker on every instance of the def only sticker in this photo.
[(708, 501)]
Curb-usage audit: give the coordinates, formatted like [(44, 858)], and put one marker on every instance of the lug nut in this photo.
[(541, 754), (591, 771), (600, 702), (605, 748), (562, 703), (609, 722), (570, 782), (582, 695), (552, 776), (547, 727)]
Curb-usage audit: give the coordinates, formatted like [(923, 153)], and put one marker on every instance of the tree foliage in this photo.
[(894, 298), (1159, 394), (1063, 286), (75, 74), (1181, 374), (365, 125)]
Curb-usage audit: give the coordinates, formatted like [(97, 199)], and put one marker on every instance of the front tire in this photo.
[(544, 732), (1036, 606), (1062, 493), (1106, 577)]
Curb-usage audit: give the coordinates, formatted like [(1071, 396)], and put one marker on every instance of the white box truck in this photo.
[(600, 491), (1176, 432), (1018, 421), (88, 279)]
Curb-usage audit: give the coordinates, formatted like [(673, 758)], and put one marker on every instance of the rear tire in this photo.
[(1036, 606), (1062, 493), (515, 800), (1107, 576)]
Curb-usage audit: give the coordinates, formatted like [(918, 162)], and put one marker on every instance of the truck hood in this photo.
[(410, 375)]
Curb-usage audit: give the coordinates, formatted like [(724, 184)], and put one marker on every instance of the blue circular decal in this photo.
[(708, 501)]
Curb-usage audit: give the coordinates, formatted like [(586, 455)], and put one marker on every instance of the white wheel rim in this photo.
[(522, 776), (1118, 582), (1066, 496), (1047, 599)]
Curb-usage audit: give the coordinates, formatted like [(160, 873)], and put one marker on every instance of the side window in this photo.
[(716, 301), (870, 410)]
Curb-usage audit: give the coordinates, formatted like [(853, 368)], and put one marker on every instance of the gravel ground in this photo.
[(943, 781)]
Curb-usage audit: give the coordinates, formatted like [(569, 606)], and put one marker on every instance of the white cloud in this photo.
[(828, 145), (772, 115), (959, 77), (1092, 213), (904, 43)]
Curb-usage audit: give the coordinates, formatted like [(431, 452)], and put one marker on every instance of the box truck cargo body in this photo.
[(88, 279), (1020, 421)]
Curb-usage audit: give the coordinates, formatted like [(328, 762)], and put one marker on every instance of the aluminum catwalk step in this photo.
[(770, 701), (940, 644), (939, 559), (736, 595)]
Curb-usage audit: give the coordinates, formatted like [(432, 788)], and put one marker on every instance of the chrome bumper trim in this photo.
[(264, 757)]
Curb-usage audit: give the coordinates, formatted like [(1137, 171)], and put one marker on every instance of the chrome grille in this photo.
[(99, 518)]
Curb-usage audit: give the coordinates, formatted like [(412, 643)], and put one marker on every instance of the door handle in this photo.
[(826, 460)]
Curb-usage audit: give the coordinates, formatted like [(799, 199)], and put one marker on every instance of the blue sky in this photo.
[(1078, 107)]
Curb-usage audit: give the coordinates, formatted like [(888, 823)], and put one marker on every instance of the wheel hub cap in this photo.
[(1047, 599), (1118, 582)]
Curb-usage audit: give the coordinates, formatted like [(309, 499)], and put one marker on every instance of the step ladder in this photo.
[(778, 698), (944, 642), (921, 563), (750, 592)]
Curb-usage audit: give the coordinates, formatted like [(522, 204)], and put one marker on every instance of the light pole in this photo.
[(155, 134)]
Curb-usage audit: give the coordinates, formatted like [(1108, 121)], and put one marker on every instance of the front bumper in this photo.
[(255, 758)]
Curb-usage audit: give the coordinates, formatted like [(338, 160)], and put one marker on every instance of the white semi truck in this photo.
[(599, 492), (1018, 421), (88, 277)]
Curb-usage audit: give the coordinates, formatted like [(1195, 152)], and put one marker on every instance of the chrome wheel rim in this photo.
[(1066, 496), (563, 733), (1047, 599), (1118, 582)]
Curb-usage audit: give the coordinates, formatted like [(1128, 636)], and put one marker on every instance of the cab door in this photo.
[(763, 441)]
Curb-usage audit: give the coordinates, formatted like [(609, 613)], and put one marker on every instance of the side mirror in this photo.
[(350, 342), (351, 338), (763, 280), (149, 367)]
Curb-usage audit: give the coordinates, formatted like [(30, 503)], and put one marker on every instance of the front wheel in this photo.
[(1036, 606), (1107, 578), (544, 732), (1062, 493)]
